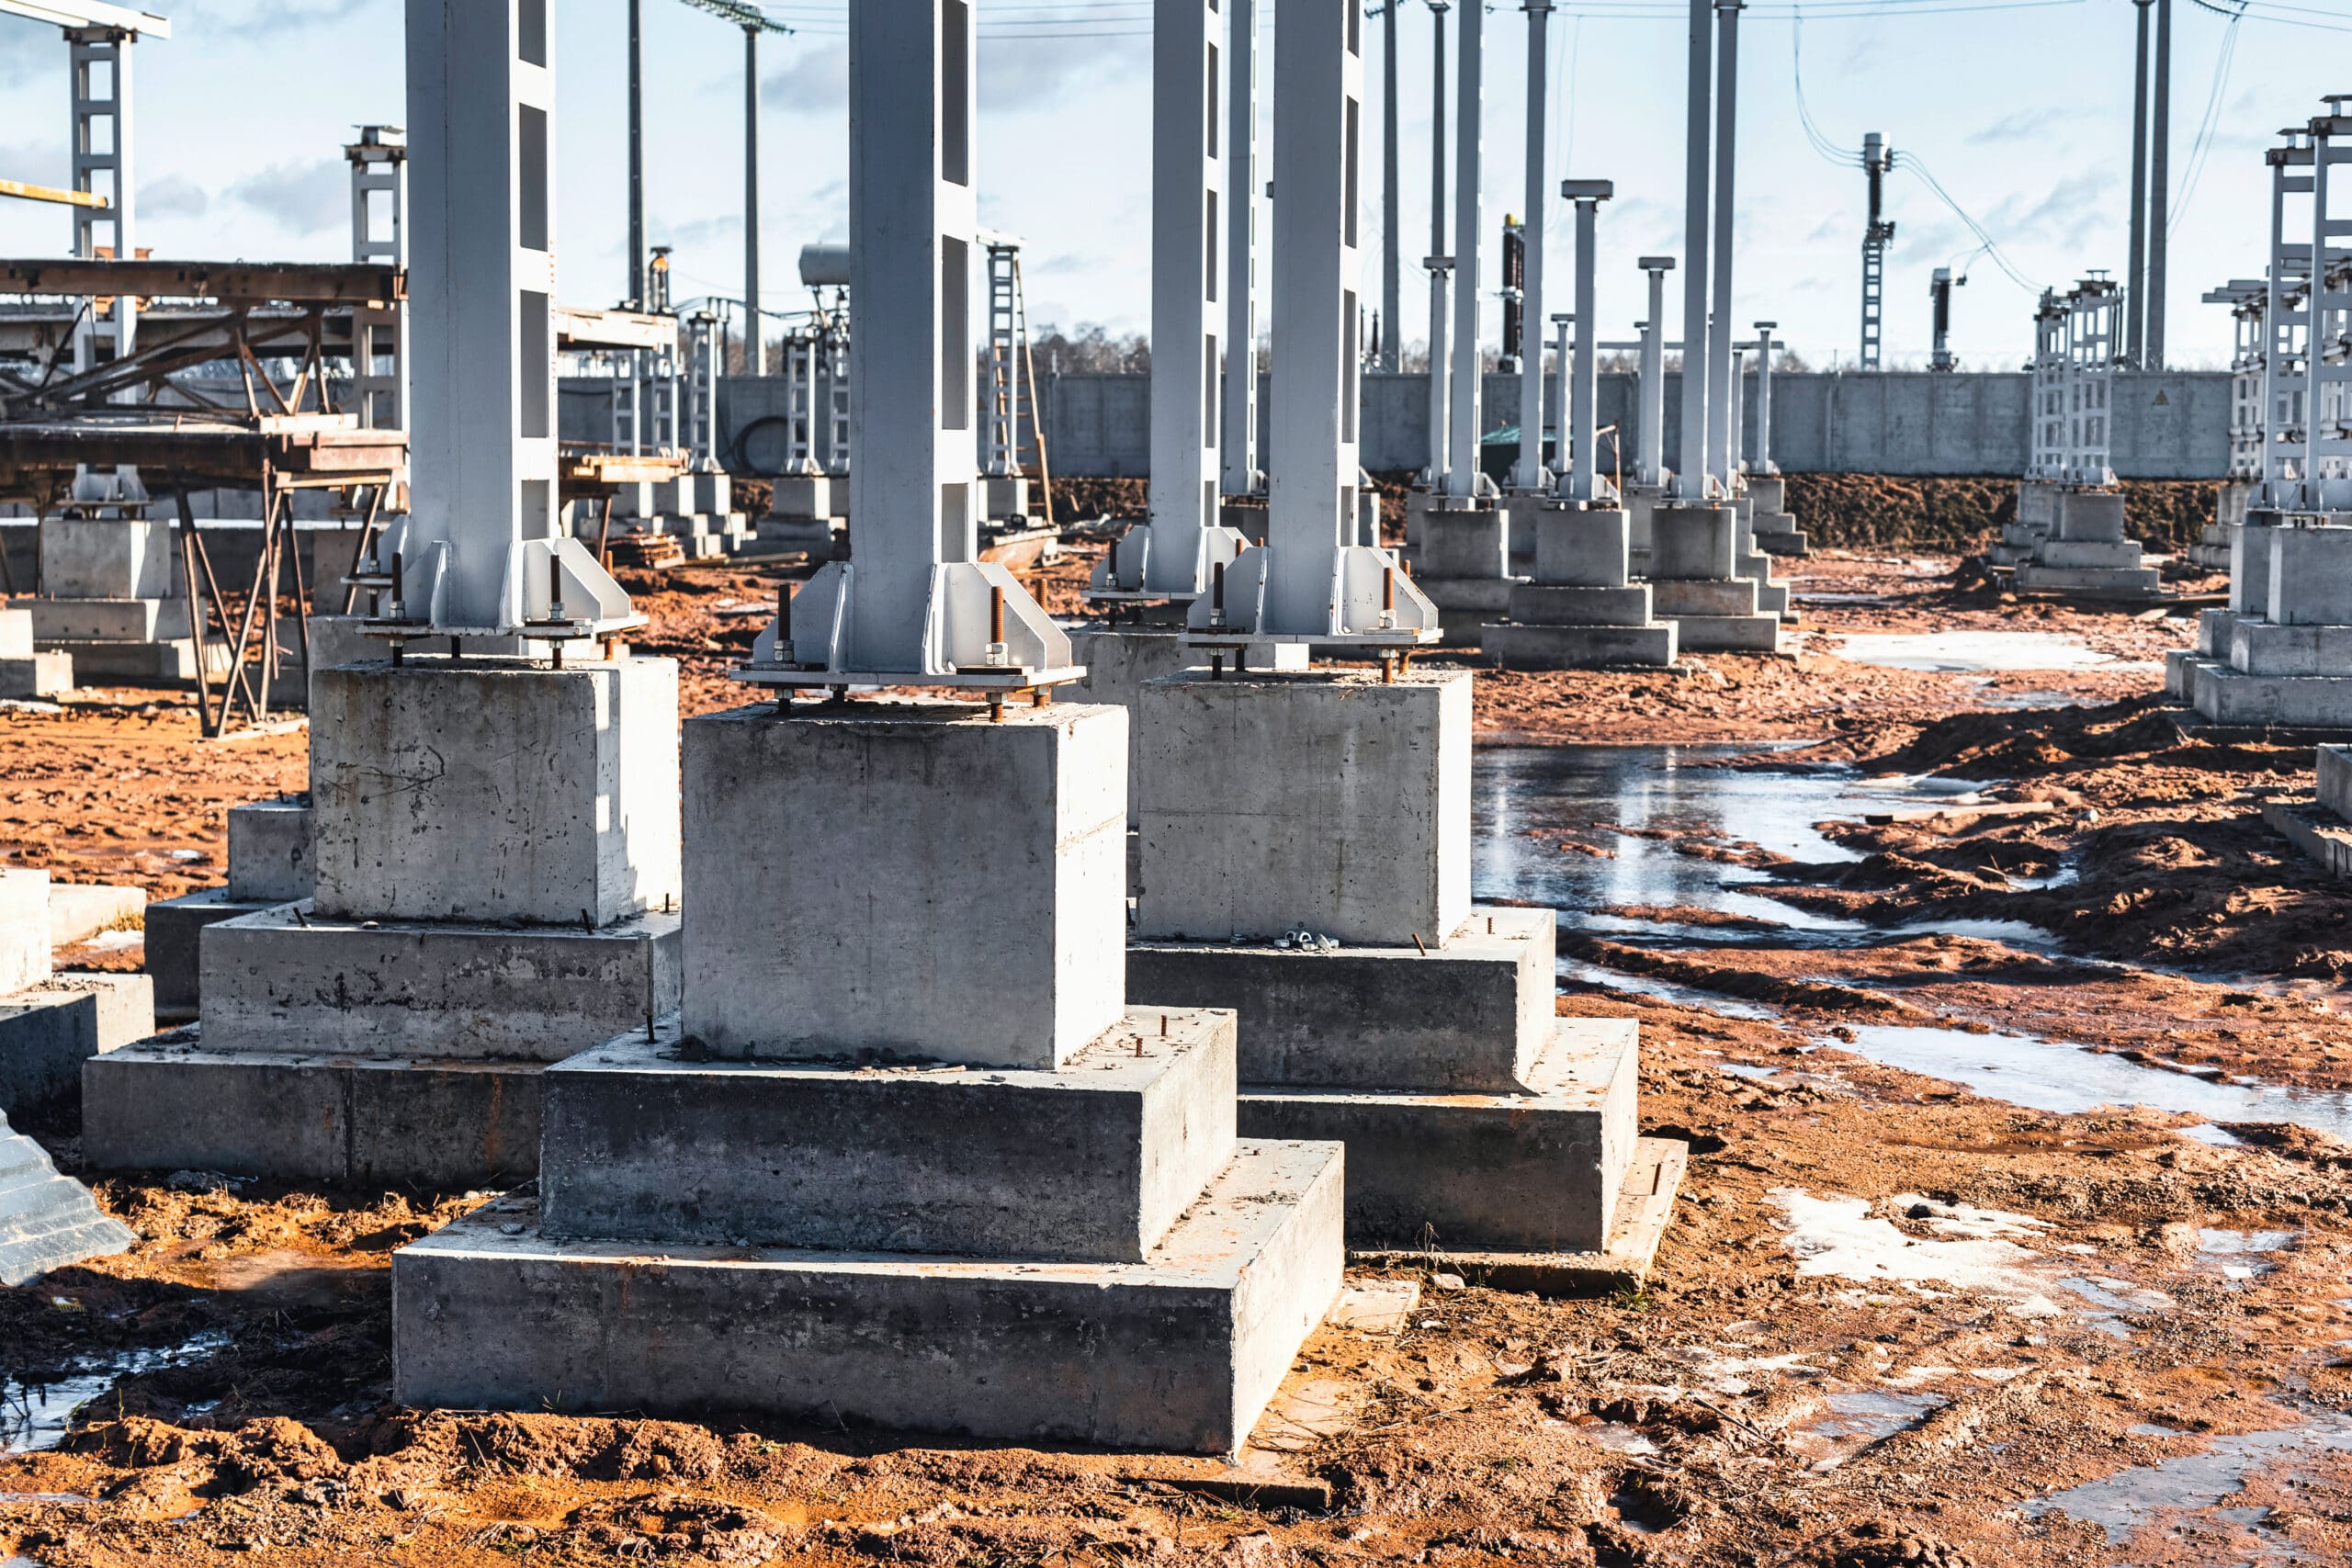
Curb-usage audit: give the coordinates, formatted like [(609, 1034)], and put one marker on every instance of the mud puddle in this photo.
[(2194, 1482), (1969, 652), (36, 1413)]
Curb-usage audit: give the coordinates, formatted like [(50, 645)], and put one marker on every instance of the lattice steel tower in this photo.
[(1876, 161)]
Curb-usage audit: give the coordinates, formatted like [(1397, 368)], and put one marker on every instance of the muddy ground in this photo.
[(1894, 1322)]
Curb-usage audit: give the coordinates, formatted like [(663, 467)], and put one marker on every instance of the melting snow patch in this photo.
[(1836, 1236)]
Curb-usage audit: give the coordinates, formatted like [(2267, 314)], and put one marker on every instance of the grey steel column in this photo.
[(1583, 384), (1392, 201), (1723, 391), (751, 365), (637, 154), (1650, 468), (2152, 356), (1438, 262), (1469, 145), (1187, 183), (1690, 465), (1561, 364), (1763, 463), (1530, 473), (2135, 277), (1239, 472)]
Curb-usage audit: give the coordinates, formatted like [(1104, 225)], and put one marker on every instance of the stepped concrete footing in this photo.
[(1179, 1351), (171, 1103), (47, 1221), (1645, 1208), (1519, 646), (174, 931), (51, 1027), (36, 676), (123, 664), (1536, 1171)]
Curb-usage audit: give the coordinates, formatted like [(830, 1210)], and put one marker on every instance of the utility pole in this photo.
[(2152, 356), (1392, 200), (1877, 235), (634, 298), (752, 349), (1691, 469), (2135, 277)]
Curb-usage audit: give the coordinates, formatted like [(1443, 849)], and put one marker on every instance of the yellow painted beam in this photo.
[(51, 193)]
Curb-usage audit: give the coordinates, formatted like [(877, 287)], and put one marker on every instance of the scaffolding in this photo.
[(2286, 326), (2091, 313), (2246, 299), (2327, 433)]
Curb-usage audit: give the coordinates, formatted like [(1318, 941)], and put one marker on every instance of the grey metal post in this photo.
[(2135, 275), (1530, 473), (1561, 366), (1392, 201), (1763, 463), (1462, 473), (2152, 356), (637, 154), (1187, 187), (1439, 261), (1690, 475), (1723, 391), (752, 348), (1734, 458), (1241, 476), (1584, 383), (1651, 468)]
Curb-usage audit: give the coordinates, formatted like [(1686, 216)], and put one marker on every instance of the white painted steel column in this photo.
[(1186, 254), (1733, 459), (1650, 468), (482, 431), (1723, 391), (1469, 97), (2281, 388), (1241, 476), (379, 235), (1530, 473), (1763, 463), (1691, 464), (1312, 460), (1584, 385), (1440, 263), (1561, 364)]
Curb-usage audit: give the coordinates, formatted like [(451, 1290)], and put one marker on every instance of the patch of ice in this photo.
[(1836, 1236)]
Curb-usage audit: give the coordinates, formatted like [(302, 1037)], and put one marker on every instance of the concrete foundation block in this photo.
[(1332, 801), (2121, 553), (1119, 660), (2213, 632), (1527, 510), (908, 879), (50, 1028), (405, 988), (1693, 543), (1179, 1351), (110, 662), (1465, 604), (269, 851), (1648, 647), (1004, 496), (79, 910), (1586, 547), (2224, 696), (2088, 516), (174, 930), (1535, 1172), (2250, 564), (1470, 1013), (803, 497), (2310, 576), (25, 933), (1725, 634), (2266, 647), (2038, 504), (15, 632), (823, 538), (37, 676), (495, 790), (2178, 662), (1467, 539), (47, 1221), (1768, 493), (2090, 581), (1092, 1164), (66, 621), (1546, 605), (2335, 780), (1672, 598), (169, 1104), (108, 557)]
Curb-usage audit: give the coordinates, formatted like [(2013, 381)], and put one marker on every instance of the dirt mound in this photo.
[(1859, 511)]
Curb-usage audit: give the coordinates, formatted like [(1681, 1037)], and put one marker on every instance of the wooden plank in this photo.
[(29, 192), (301, 282)]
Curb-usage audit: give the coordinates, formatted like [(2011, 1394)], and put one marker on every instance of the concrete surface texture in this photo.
[(2290, 662), (906, 878), (1179, 1351), (1693, 543), (1584, 547), (1119, 659), (51, 1027), (109, 559), (1091, 1163), (269, 849), (495, 790), (1470, 1013), (47, 1221), (1327, 800), (2335, 780)]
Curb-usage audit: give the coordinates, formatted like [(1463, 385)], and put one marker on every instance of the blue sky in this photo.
[(2022, 113)]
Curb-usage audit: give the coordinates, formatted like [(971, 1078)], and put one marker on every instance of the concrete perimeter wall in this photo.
[(2172, 425)]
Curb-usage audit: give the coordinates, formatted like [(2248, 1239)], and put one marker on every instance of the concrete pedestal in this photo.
[(1329, 800), (2086, 555), (1119, 660), (270, 862), (1582, 611), (1695, 582), (1463, 561), (25, 673), (47, 1221), (1004, 496), (50, 1024), (1756, 564), (2290, 663)]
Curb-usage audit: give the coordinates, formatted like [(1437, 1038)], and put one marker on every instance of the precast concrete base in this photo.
[(1180, 1351), (174, 931), (59, 621), (1649, 647), (2230, 696), (122, 663), (1471, 1012), (50, 1028), (1537, 1171), (172, 1103), (1771, 598), (1119, 659), (47, 1221), (819, 536), (1466, 605), (2105, 583), (36, 676), (1777, 534), (1715, 615)]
